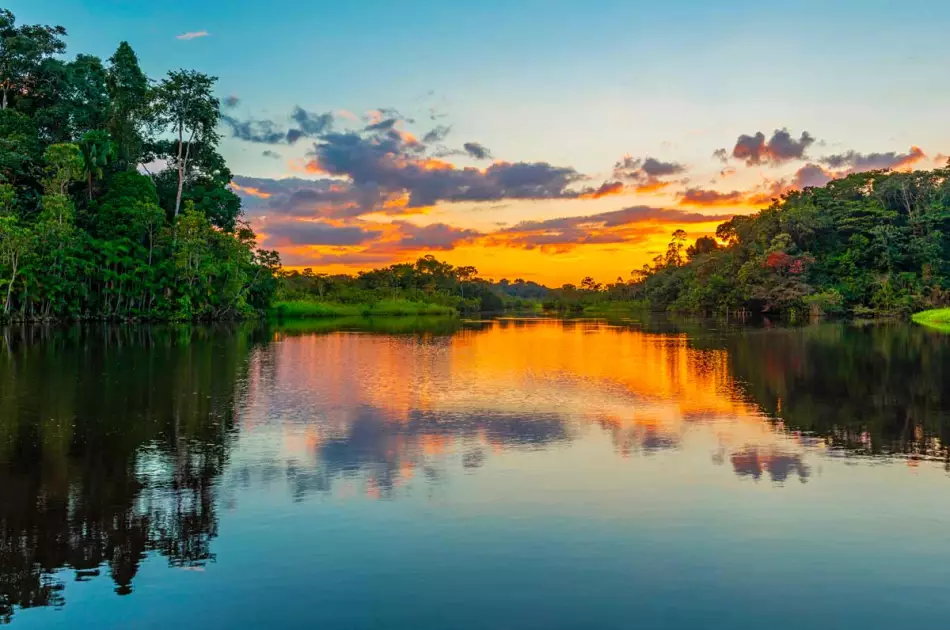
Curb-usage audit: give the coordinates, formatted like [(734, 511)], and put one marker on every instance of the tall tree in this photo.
[(186, 105), (129, 93), (22, 51)]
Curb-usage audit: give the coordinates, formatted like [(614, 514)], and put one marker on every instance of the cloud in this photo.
[(250, 191), (316, 233), (856, 162), (260, 131), (811, 175), (640, 169), (722, 155), (705, 197), (383, 125), (271, 132), (311, 124), (778, 149), (365, 242), (432, 237), (437, 134), (606, 189), (192, 35), (477, 151), (389, 112), (387, 160), (271, 154), (631, 225), (648, 173)]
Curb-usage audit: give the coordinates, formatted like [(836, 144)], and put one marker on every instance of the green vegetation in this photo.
[(938, 318), (408, 325), (303, 309), (89, 227), (427, 287), (870, 244)]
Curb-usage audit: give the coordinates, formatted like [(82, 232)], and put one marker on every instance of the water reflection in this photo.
[(119, 444), (110, 444)]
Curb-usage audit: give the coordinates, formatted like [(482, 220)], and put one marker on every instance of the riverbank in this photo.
[(938, 319), (308, 309)]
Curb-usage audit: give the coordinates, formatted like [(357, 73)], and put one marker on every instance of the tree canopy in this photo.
[(87, 230)]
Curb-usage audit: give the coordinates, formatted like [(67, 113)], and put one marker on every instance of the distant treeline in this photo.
[(427, 281), (85, 230)]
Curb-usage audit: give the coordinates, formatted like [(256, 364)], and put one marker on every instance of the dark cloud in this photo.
[(270, 132), (437, 134), (389, 112), (309, 124), (780, 148), (383, 125), (605, 190), (260, 131), (477, 151), (435, 236), (704, 197), (316, 233), (811, 175), (394, 164), (271, 154), (640, 169), (231, 101), (722, 155), (648, 173), (856, 162), (294, 196)]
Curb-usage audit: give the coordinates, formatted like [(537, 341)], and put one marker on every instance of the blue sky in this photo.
[(566, 83)]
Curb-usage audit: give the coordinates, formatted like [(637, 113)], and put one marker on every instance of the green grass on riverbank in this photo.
[(306, 309), (938, 319)]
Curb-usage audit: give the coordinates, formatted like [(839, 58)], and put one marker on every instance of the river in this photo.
[(508, 473)]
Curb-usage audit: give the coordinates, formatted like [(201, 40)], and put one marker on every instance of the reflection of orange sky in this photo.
[(633, 385)]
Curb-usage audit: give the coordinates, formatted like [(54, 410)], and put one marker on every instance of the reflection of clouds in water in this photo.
[(754, 462), (382, 454), (383, 410)]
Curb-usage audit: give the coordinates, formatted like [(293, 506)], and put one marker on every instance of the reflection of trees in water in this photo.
[(110, 444), (870, 390)]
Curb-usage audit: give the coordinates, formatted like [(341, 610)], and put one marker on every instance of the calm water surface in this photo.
[(502, 474)]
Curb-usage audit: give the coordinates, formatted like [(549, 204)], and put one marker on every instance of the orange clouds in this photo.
[(250, 190), (904, 162), (652, 186), (606, 189)]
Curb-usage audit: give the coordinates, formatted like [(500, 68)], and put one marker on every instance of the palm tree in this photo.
[(98, 150)]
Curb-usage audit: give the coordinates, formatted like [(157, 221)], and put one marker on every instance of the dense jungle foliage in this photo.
[(86, 230)]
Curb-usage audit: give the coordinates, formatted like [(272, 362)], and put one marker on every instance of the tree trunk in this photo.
[(6, 305), (181, 170)]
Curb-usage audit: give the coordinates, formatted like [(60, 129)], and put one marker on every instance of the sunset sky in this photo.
[(544, 140)]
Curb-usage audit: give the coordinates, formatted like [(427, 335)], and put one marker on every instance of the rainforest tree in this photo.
[(90, 225)]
